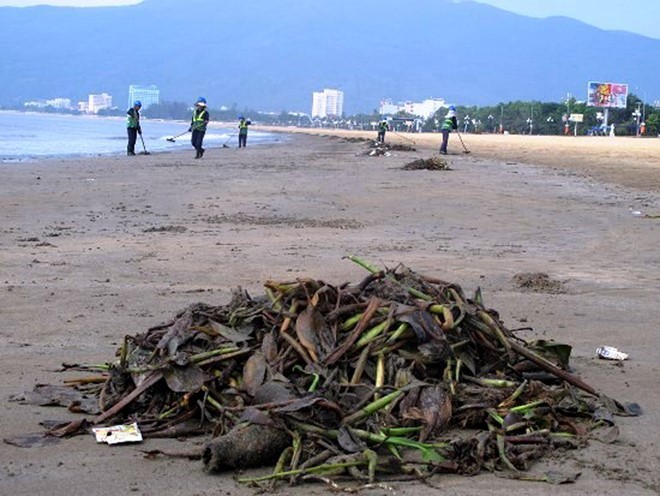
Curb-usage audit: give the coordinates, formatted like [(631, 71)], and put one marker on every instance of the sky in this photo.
[(67, 3), (637, 16)]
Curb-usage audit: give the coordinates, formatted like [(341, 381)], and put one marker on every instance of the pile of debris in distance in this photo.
[(398, 377), (378, 149), (433, 163)]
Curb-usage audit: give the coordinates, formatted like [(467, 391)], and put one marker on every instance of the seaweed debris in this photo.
[(399, 375)]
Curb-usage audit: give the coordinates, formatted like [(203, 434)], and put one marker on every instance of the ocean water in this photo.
[(30, 136)]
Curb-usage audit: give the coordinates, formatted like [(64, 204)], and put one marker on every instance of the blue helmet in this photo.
[(241, 117), (201, 100), (137, 103), (452, 107)]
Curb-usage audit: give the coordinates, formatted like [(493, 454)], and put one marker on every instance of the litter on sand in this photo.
[(118, 434), (610, 353)]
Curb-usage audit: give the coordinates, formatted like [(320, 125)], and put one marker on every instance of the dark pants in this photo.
[(132, 138), (242, 140), (197, 140), (381, 136), (445, 140)]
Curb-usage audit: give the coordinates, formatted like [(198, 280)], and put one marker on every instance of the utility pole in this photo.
[(637, 114)]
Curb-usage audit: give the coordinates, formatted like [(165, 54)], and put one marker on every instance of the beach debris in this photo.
[(378, 149), (161, 229), (610, 353), (399, 375), (433, 163), (538, 282), (118, 434)]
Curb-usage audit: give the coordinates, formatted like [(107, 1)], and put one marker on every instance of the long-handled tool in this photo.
[(173, 138), (404, 137), (224, 145), (145, 152), (465, 150)]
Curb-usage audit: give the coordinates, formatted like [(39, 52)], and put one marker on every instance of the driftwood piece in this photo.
[(245, 446)]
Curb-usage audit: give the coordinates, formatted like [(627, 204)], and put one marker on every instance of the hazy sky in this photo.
[(71, 3), (638, 16)]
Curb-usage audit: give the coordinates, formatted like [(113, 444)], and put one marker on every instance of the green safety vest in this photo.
[(199, 119), (243, 127), (382, 126), (133, 119), (447, 124)]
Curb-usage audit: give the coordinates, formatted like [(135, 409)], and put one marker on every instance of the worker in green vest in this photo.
[(198, 123), (243, 124), (382, 129), (133, 126), (448, 125)]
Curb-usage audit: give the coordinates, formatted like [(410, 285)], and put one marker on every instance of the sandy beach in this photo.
[(94, 249)]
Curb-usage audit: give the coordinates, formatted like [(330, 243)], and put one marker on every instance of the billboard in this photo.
[(607, 95)]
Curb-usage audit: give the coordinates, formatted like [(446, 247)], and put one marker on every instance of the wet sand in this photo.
[(94, 249)]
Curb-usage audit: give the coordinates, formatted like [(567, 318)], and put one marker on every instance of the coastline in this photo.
[(110, 117), (96, 249), (30, 136)]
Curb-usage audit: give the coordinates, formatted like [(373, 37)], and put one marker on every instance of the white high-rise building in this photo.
[(148, 95), (319, 104), (327, 103), (98, 102), (424, 109), (428, 107)]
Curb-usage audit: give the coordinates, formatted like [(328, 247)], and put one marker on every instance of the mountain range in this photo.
[(272, 54)]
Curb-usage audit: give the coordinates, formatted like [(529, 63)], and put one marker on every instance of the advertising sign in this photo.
[(576, 118), (607, 95)]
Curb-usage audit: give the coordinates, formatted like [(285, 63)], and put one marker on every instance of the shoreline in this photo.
[(34, 136)]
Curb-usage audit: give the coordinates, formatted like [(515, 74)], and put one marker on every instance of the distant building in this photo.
[(40, 104), (423, 109), (59, 103), (148, 95), (386, 107), (98, 102), (327, 103)]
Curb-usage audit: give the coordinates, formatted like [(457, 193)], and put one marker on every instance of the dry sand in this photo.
[(94, 249)]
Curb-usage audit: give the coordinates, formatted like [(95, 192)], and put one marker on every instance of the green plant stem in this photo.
[(491, 383), (403, 327), (372, 408), (319, 469), (528, 406), (372, 334)]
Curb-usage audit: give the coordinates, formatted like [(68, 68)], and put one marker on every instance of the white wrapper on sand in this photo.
[(127, 433), (610, 353)]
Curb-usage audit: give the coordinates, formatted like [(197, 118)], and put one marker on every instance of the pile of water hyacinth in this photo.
[(400, 376)]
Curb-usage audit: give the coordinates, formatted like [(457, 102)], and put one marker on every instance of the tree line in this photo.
[(550, 118), (520, 117)]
